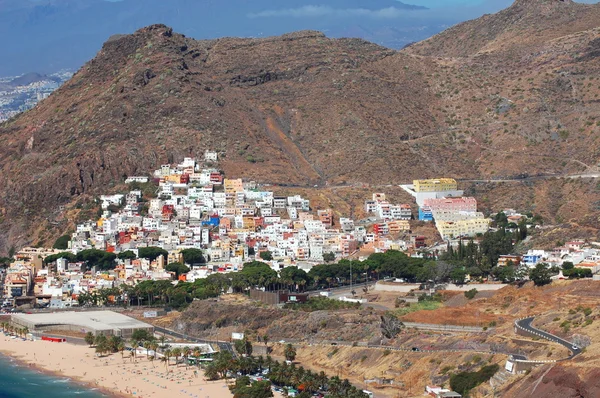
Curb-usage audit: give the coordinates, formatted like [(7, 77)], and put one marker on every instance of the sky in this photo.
[(63, 34)]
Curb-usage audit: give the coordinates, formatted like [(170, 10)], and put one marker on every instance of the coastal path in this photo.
[(223, 345)]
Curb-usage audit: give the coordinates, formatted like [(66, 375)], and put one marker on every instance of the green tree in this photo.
[(152, 253), (193, 256), (289, 352), (329, 257), (505, 274), (294, 276), (567, 265), (258, 274), (52, 258), (126, 255), (62, 243), (97, 258), (540, 275), (267, 255), (114, 343), (501, 219), (141, 335), (178, 268), (89, 338), (243, 346), (101, 343)]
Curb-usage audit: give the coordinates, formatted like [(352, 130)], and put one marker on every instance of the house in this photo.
[(505, 260), (533, 257), (280, 202), (575, 245), (133, 179), (472, 227), (439, 392), (452, 204), (418, 242), (435, 185), (211, 156), (326, 217), (425, 213)]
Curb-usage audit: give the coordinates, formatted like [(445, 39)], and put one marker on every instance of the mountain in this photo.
[(30, 78), (523, 26), (39, 41), (302, 109)]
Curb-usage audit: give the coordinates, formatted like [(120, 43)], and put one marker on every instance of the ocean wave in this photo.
[(60, 381)]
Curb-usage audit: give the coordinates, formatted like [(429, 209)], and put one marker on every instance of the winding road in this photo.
[(525, 324)]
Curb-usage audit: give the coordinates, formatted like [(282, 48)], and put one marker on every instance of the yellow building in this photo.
[(249, 223), (174, 178), (398, 226), (454, 229), (232, 186), (435, 185)]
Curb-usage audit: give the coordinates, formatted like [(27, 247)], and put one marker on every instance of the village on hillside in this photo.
[(188, 221)]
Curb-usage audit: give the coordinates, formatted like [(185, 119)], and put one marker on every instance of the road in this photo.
[(223, 345), (526, 325)]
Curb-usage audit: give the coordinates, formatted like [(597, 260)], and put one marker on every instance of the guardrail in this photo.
[(447, 328)]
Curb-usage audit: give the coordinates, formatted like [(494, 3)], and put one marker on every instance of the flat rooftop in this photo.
[(90, 320)]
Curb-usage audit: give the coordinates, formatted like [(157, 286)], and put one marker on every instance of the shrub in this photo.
[(470, 294), (464, 382), (587, 311), (387, 352)]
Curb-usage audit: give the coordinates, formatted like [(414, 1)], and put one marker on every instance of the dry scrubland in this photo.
[(567, 308)]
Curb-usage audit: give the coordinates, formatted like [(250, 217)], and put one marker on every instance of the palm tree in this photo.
[(176, 353), (101, 347), (89, 338), (167, 354), (121, 348), (146, 345), (334, 386), (186, 353), (289, 352), (322, 380), (134, 344), (265, 340), (165, 359)]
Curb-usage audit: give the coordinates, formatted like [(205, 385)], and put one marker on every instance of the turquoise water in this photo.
[(21, 382)]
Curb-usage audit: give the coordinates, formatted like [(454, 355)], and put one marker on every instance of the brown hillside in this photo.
[(305, 110), (525, 24)]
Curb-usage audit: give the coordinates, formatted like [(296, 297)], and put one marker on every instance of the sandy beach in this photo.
[(113, 374)]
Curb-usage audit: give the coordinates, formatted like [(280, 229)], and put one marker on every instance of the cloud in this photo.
[(325, 11)]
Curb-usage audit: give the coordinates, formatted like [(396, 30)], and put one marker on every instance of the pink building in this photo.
[(452, 204)]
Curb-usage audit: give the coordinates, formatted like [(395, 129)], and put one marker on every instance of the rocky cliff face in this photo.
[(304, 110)]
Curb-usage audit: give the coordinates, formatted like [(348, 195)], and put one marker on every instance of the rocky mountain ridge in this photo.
[(302, 109)]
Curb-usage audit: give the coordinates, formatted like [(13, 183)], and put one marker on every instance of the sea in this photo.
[(17, 381)]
